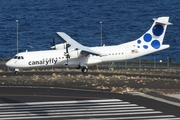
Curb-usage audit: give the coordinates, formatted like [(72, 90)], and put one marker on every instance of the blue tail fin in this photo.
[(154, 37)]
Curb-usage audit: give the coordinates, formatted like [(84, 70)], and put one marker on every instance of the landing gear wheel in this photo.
[(15, 72), (84, 69)]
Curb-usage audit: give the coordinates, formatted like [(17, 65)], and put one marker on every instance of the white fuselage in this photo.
[(57, 58)]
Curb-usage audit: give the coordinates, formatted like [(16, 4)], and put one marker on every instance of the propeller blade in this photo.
[(67, 49), (53, 45), (67, 52)]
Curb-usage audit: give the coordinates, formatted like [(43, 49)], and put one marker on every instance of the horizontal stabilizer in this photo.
[(162, 20)]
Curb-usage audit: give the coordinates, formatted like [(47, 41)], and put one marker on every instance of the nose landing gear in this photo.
[(16, 71)]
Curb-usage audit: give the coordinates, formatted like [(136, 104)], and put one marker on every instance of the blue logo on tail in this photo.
[(157, 30)]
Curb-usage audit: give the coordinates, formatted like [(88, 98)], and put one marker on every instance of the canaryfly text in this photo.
[(43, 62)]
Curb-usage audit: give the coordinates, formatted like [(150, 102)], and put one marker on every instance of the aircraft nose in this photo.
[(8, 63)]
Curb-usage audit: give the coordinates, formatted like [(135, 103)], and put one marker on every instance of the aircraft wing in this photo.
[(66, 38)]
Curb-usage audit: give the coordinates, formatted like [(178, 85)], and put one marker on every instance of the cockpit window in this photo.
[(18, 57), (15, 57)]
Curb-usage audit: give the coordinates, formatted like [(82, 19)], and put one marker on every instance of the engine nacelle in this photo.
[(61, 46), (75, 53)]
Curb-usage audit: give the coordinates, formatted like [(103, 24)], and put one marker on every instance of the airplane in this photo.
[(73, 54)]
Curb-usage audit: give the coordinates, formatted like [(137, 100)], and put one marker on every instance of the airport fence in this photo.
[(129, 64)]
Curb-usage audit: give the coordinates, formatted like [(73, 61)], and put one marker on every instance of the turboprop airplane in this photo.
[(73, 54)]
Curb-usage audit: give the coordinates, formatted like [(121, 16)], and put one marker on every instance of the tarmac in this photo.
[(37, 102), (177, 96)]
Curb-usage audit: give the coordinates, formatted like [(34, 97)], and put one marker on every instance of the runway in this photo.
[(33, 102)]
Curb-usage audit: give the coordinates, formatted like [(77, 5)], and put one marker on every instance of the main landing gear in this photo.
[(84, 69)]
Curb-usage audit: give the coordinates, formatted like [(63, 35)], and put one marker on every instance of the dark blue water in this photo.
[(122, 21)]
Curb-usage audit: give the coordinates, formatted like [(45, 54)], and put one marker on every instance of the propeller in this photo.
[(53, 45), (67, 52)]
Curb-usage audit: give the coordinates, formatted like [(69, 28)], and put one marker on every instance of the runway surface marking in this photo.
[(109, 109)]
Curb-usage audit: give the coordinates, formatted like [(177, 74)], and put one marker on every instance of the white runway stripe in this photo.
[(60, 115), (163, 119), (66, 105), (112, 109), (60, 106), (140, 117), (61, 102), (75, 108), (72, 110)]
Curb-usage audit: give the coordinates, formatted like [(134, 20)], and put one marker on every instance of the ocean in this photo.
[(35, 22)]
